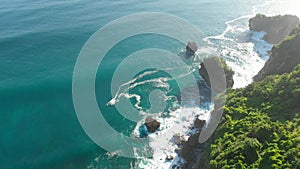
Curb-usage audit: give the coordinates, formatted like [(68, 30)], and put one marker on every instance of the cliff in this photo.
[(216, 64), (276, 27), (261, 123), (260, 126), (191, 150), (283, 57)]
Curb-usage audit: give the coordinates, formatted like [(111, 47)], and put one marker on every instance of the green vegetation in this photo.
[(228, 71), (284, 56), (260, 126)]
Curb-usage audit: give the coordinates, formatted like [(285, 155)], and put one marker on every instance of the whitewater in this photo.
[(245, 52)]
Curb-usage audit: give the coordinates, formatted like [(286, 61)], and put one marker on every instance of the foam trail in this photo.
[(114, 100), (159, 82), (137, 98)]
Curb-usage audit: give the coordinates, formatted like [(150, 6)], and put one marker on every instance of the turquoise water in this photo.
[(39, 44)]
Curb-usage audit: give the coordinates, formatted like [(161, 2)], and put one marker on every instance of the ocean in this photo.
[(40, 42)]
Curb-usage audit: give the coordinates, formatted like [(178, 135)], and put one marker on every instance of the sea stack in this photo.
[(216, 65), (191, 48), (151, 124)]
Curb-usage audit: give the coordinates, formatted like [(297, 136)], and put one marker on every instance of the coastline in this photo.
[(198, 150), (40, 46), (191, 145), (190, 142)]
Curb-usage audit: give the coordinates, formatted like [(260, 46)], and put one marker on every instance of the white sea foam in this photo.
[(179, 123), (161, 82), (158, 82), (246, 58), (246, 51), (115, 99), (245, 61)]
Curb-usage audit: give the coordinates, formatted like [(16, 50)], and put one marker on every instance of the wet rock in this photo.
[(283, 57), (191, 48), (178, 139), (169, 157), (152, 124), (177, 150), (199, 123)]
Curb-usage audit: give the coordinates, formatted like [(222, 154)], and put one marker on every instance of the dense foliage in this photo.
[(260, 126)]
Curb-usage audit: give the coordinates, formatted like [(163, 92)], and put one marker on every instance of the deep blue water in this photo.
[(39, 44)]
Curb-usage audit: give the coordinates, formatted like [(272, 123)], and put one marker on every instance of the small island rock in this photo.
[(152, 124), (169, 157), (191, 48)]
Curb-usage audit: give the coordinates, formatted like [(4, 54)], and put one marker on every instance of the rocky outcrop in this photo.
[(192, 151), (199, 123), (284, 56), (152, 124), (276, 27), (178, 139), (218, 70), (169, 157), (191, 48)]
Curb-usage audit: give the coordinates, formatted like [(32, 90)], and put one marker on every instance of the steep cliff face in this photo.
[(215, 64), (284, 56), (276, 27)]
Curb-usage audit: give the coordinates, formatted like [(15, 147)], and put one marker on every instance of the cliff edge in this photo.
[(276, 27)]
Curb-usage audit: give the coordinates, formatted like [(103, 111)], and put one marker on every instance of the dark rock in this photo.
[(190, 150), (169, 157), (191, 48), (199, 123), (178, 139), (276, 27), (219, 68), (177, 150), (283, 57), (151, 124), (175, 167)]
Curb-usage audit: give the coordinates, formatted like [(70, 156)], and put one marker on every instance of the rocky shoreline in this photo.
[(276, 27), (188, 146), (283, 57), (191, 150)]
